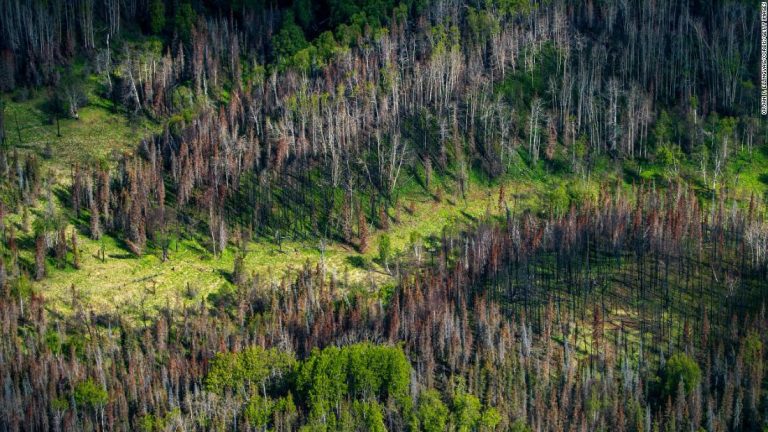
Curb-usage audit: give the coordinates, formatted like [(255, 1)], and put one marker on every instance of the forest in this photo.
[(370, 215)]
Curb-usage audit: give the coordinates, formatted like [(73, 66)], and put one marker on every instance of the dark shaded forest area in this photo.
[(637, 308)]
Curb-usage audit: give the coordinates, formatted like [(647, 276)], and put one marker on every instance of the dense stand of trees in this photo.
[(640, 311), (638, 314), (325, 134)]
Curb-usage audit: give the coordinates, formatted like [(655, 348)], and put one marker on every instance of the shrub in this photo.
[(558, 200), (466, 409), (680, 368), (254, 366), (88, 393), (431, 412), (362, 371)]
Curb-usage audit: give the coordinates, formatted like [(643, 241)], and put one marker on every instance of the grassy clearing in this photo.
[(128, 283), (747, 173), (98, 134)]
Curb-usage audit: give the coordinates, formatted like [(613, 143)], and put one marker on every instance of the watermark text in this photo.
[(764, 58)]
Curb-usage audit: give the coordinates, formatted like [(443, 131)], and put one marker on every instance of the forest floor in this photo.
[(98, 135)]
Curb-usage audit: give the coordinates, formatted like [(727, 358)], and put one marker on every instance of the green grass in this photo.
[(124, 281), (747, 173), (99, 132), (128, 283)]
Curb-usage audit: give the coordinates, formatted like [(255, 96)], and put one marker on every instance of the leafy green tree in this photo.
[(69, 96), (662, 132), (482, 25), (289, 39), (362, 372), (88, 393), (303, 60), (370, 415), (321, 380), (158, 423), (511, 7), (326, 47), (385, 249), (347, 34), (558, 200), (376, 12), (347, 421), (342, 10), (156, 12), (753, 349), (238, 270), (580, 147), (263, 412), (466, 411), (680, 368), (254, 366), (185, 21), (519, 426), (668, 155), (401, 12), (724, 134), (431, 412), (490, 419), (304, 13), (258, 412), (60, 404)]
